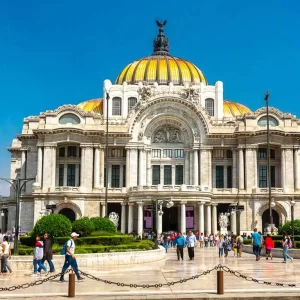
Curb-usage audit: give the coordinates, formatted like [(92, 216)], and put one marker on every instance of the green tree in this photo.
[(287, 227), (103, 224), (56, 225), (83, 226)]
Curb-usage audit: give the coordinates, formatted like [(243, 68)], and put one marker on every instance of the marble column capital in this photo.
[(130, 204), (208, 204), (139, 203), (123, 203), (183, 202), (214, 204), (50, 145), (201, 202), (86, 146)]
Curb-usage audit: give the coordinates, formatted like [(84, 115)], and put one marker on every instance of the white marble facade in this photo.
[(167, 144)]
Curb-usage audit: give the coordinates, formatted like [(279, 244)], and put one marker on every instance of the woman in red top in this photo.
[(269, 244)]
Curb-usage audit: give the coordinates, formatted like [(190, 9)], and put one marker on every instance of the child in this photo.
[(38, 256), (166, 244)]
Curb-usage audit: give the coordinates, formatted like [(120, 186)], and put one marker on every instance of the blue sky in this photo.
[(59, 52)]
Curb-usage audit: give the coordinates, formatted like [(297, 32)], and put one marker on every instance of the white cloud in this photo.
[(4, 188)]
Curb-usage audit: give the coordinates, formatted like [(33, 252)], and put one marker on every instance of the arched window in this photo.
[(131, 103), (116, 106), (69, 118), (209, 106), (263, 121)]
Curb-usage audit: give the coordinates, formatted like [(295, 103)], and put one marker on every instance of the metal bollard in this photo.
[(220, 282), (71, 292)]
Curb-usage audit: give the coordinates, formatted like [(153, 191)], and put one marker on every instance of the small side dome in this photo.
[(232, 109), (93, 105)]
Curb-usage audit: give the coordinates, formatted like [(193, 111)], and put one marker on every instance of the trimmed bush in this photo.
[(287, 227), (84, 226), (55, 225), (103, 224)]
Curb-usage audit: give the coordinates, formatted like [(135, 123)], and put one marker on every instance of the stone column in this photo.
[(53, 171), (234, 171), (82, 170), (65, 183), (233, 223), (296, 169), (159, 224), (289, 167), (241, 169), (255, 167), (283, 168), (195, 168), (103, 209), (182, 217), (23, 164), (191, 167), (209, 169), (101, 167), (162, 175), (121, 175), (109, 170), (97, 168), (123, 217), (131, 167), (208, 219), (149, 168), (201, 216), (142, 169), (249, 166), (130, 217), (173, 174), (186, 167), (47, 167), (140, 218), (40, 166), (214, 218), (128, 168)]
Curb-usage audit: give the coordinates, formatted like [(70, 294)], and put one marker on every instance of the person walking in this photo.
[(201, 239), (239, 243), (256, 243), (286, 244), (6, 254), (269, 245), (38, 255), (48, 253), (221, 246), (180, 243), (166, 244), (70, 259), (191, 242), (227, 246), (206, 239)]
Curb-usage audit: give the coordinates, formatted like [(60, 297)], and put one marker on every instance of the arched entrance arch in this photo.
[(265, 218), (69, 213)]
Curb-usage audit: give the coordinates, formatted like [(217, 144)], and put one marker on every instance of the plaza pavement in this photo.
[(171, 270)]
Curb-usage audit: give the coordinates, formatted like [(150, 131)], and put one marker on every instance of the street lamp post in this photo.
[(158, 210), (106, 156), (292, 203), (18, 185)]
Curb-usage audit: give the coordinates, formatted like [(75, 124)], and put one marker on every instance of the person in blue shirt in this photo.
[(256, 243), (180, 242)]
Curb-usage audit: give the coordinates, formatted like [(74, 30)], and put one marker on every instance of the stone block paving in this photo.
[(168, 271)]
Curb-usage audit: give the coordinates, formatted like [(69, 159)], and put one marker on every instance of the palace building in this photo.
[(171, 135)]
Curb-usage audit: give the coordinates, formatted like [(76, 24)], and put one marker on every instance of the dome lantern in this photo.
[(161, 43)]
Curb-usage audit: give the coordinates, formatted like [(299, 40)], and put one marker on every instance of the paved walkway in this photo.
[(166, 271)]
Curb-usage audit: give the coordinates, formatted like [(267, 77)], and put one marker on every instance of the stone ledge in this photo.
[(295, 253), (96, 259)]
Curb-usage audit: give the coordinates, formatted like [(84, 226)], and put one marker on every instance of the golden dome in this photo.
[(232, 109), (161, 69), (93, 105)]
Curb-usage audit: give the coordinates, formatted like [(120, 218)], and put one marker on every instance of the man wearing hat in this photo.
[(70, 259)]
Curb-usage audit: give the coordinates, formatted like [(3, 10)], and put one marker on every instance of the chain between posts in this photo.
[(156, 285)]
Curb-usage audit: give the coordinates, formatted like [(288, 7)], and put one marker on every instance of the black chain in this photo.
[(28, 285), (259, 281), (146, 286)]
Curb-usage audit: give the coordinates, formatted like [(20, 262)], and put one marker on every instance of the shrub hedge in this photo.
[(93, 240), (103, 224), (83, 226)]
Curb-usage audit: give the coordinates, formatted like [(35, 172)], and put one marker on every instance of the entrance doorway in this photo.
[(69, 213), (115, 207), (265, 218), (170, 219)]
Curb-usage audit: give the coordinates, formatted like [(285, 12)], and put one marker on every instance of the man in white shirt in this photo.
[(191, 242), (70, 259)]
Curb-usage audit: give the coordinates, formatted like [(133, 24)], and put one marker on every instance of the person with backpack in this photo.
[(70, 259), (286, 244), (38, 255)]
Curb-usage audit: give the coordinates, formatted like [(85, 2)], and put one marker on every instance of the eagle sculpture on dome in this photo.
[(161, 25)]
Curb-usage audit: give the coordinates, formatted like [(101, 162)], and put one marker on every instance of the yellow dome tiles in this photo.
[(161, 69), (94, 105), (233, 109)]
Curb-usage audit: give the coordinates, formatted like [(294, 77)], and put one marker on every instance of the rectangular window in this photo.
[(167, 153), (219, 153), (229, 177), (115, 176), (272, 153), (179, 175), (156, 153), (115, 152), (155, 175), (262, 153), (228, 153), (72, 151), (219, 177), (61, 173), (262, 176), (167, 175), (124, 176), (131, 103), (62, 152), (179, 153), (116, 106), (71, 175)]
